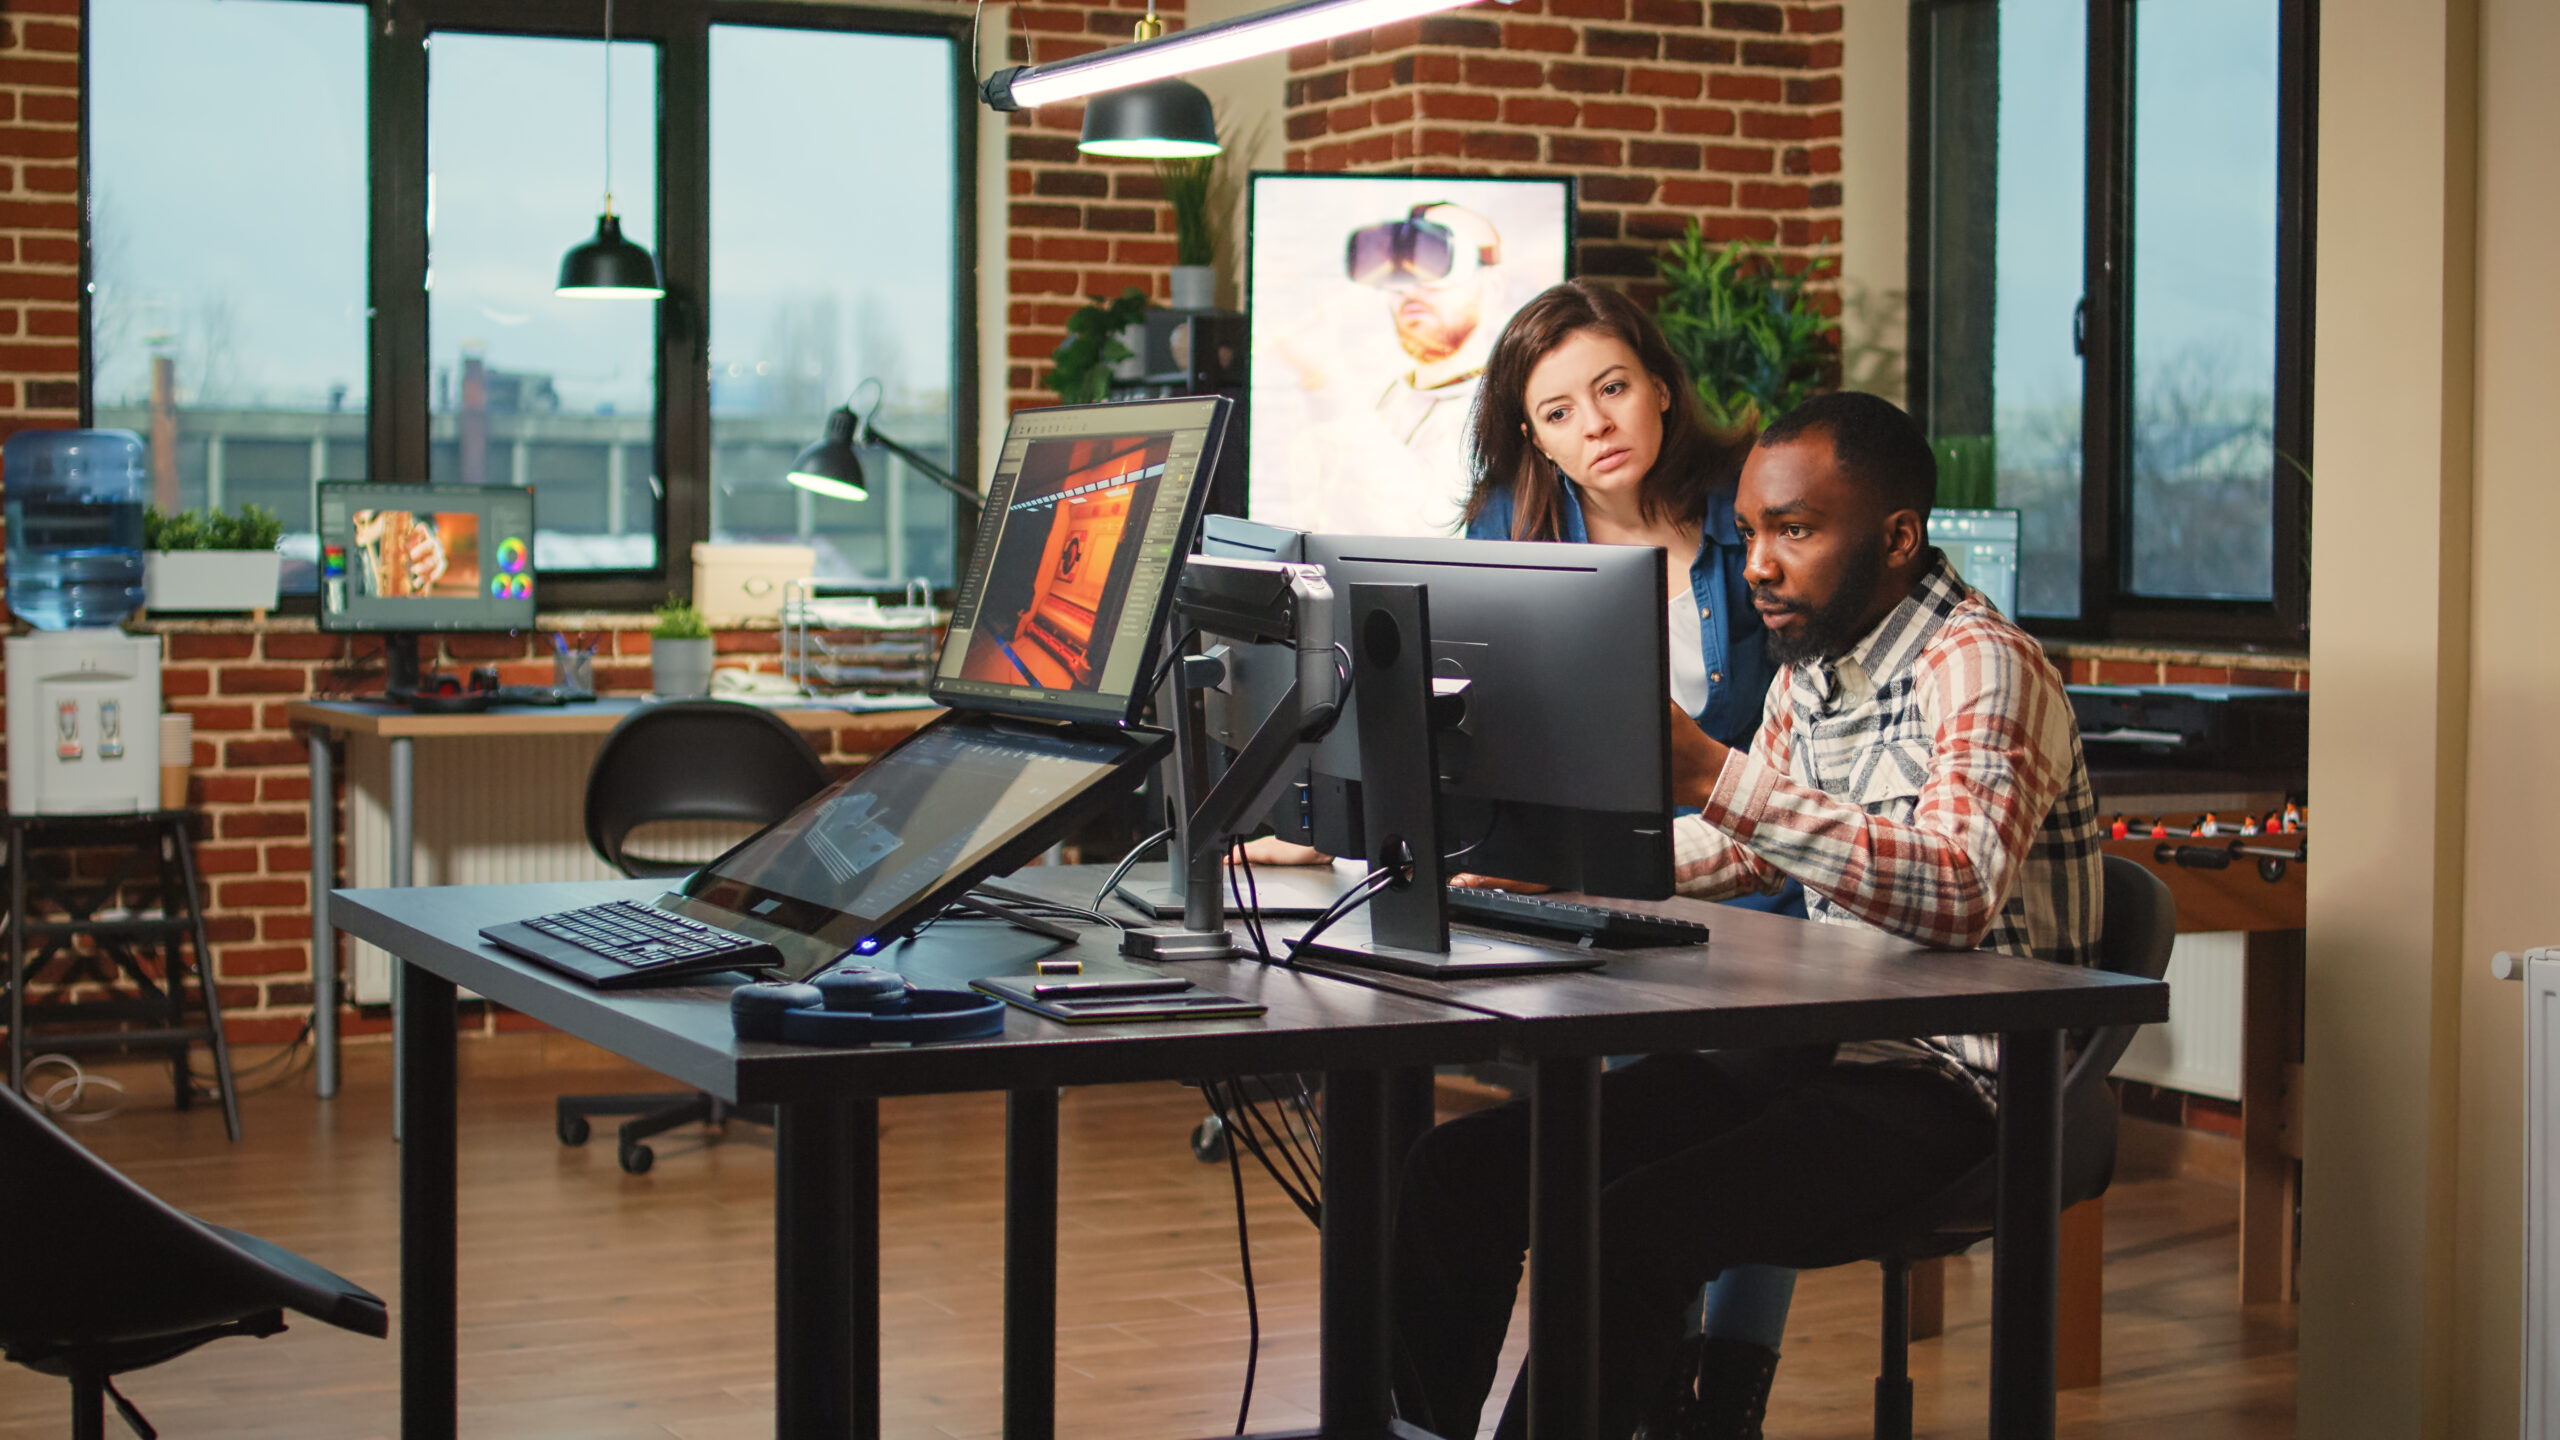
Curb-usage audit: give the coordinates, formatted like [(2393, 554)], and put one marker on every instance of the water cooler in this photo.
[(83, 696)]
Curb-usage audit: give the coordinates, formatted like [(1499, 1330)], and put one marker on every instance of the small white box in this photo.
[(744, 582)]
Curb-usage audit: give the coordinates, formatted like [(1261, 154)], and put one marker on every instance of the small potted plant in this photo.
[(679, 652), (1189, 184), (1083, 366), (211, 560)]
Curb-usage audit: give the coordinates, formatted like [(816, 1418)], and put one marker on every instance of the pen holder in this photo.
[(574, 671)]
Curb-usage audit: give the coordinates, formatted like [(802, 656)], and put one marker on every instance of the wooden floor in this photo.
[(600, 1304)]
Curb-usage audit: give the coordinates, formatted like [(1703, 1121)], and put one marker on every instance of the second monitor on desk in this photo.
[(402, 560), (1558, 771)]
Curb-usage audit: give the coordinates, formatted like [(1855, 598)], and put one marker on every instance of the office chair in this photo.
[(98, 1277), (688, 760), (2140, 921)]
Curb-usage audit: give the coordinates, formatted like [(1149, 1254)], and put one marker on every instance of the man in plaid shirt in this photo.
[(1919, 771)]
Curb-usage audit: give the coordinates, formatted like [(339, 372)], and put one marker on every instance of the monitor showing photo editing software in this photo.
[(1090, 510), (425, 557)]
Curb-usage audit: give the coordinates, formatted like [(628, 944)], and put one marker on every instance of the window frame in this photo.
[(399, 372), (2110, 609)]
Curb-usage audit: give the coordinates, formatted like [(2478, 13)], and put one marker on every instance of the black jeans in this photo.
[(1706, 1161)]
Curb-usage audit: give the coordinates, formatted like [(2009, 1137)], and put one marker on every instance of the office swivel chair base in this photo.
[(656, 1115)]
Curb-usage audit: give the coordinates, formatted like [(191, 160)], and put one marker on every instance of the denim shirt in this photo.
[(1737, 647)]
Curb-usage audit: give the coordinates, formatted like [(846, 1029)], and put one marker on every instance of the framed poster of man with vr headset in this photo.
[(1373, 301)]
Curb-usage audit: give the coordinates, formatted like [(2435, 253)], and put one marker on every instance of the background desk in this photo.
[(826, 1216), (398, 730)]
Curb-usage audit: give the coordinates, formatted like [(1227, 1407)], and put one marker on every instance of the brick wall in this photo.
[(1667, 111), (251, 780), (39, 214), (1080, 227)]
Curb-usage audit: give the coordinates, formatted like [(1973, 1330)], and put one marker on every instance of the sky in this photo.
[(2204, 186), (228, 154)]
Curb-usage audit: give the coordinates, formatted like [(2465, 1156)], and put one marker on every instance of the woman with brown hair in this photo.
[(1586, 431)]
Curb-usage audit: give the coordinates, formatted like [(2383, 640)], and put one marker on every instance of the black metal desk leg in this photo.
[(2024, 1249), (1353, 1397), (826, 1256), (428, 1385), (1564, 1250), (1031, 1263)]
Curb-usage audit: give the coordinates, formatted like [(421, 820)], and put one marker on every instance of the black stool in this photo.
[(149, 1013)]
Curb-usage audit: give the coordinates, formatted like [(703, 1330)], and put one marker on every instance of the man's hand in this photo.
[(1494, 882), (1272, 850), (1696, 760)]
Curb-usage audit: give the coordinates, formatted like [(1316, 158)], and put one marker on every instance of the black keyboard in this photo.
[(1600, 926), (629, 943)]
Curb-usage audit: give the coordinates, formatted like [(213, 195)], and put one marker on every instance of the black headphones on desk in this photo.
[(860, 1005)]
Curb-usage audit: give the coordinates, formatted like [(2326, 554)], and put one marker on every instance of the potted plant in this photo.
[(1189, 185), (1081, 368), (679, 652), (211, 560), (1742, 325)]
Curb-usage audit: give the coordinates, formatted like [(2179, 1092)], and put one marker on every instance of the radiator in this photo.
[(2197, 1049), (498, 810), (2539, 969)]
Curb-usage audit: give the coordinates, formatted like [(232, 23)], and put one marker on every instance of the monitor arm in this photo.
[(1258, 602)]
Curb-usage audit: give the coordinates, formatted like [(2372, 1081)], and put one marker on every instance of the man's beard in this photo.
[(1831, 628)]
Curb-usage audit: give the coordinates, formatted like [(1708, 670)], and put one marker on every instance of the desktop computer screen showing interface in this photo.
[(1087, 515), (425, 557)]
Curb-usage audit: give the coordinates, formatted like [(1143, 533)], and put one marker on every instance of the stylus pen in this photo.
[(1077, 989), (1143, 1002)]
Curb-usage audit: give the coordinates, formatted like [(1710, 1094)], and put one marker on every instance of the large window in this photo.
[(227, 301), (2111, 291), (828, 274), (326, 236)]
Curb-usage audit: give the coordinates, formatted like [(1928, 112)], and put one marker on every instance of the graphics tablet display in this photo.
[(875, 853), (1090, 510)]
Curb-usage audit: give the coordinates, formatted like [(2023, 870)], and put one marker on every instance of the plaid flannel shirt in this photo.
[(1929, 784)]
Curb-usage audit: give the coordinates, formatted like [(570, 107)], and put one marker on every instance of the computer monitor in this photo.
[(1560, 772), (1983, 546), (1090, 510), (401, 559)]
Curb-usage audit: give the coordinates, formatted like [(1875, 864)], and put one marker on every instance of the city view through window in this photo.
[(229, 317)]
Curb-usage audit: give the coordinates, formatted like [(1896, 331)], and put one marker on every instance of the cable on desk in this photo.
[(1248, 898), (1352, 899), (1128, 863)]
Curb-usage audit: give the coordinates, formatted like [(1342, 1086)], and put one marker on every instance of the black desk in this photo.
[(826, 1190), (1767, 980)]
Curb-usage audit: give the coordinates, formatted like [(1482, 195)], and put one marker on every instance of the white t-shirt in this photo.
[(1688, 653)]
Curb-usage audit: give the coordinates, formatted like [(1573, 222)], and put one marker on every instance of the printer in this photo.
[(2243, 728)]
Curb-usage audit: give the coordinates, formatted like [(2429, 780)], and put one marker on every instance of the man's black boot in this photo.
[(1722, 1393)]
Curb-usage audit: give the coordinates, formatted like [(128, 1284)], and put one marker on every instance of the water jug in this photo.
[(75, 500)]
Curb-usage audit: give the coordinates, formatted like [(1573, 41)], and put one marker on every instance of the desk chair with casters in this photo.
[(2140, 922), (688, 760), (98, 1277)]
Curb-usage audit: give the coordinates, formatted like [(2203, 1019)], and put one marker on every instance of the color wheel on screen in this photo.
[(514, 557)]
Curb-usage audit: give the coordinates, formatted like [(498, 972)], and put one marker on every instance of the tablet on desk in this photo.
[(1095, 1002)]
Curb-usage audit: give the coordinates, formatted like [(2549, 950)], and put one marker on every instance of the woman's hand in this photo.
[(1272, 850)]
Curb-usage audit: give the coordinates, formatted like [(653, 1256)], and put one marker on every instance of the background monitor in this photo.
[(1373, 301), (402, 559), (1091, 508), (425, 557), (1983, 546)]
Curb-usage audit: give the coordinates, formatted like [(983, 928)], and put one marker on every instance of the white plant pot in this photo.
[(189, 580), (680, 669), (1195, 287)]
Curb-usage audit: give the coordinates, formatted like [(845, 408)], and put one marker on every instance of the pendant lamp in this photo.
[(1160, 120), (609, 267)]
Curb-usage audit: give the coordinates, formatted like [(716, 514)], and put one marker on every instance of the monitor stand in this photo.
[(1405, 928), (400, 674)]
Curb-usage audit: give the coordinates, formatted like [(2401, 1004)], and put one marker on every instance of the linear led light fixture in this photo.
[(1283, 27)]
